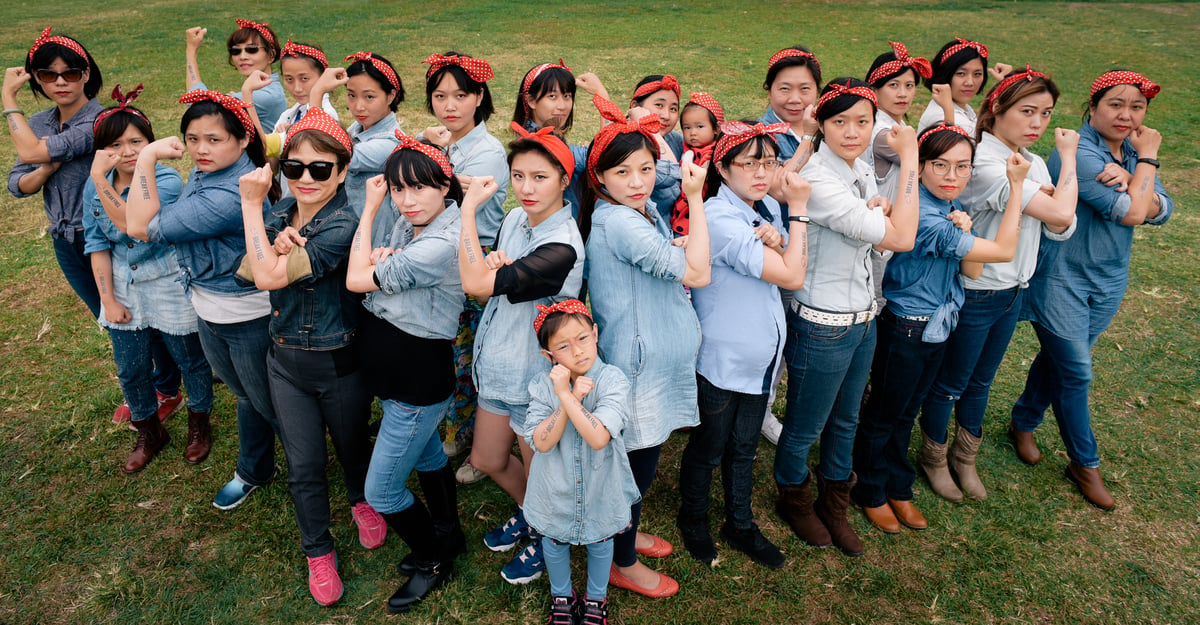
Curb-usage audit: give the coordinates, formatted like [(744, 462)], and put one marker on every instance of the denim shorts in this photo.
[(514, 412)]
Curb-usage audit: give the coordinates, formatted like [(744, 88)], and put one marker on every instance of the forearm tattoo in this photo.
[(191, 70), (143, 184), (908, 186), (12, 122), (550, 423), (591, 419), (358, 237), (469, 243), (112, 199), (258, 247), (103, 285)]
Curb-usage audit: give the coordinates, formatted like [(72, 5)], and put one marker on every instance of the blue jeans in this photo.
[(558, 567), (827, 374), (77, 269), (903, 369), (408, 439), (238, 353), (137, 351), (1060, 376), (974, 352)]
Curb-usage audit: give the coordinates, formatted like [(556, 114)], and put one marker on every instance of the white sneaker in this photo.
[(454, 448), (771, 428), (468, 474)]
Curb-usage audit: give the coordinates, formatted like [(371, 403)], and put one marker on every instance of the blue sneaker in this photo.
[(506, 536), (235, 491), (527, 566)]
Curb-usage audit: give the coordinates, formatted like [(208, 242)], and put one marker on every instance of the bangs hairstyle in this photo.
[(712, 119), (647, 80), (934, 142), (110, 129), (233, 126), (555, 321), (619, 149), (525, 146), (304, 57), (320, 142), (464, 81), (366, 67), (842, 103), (793, 61), (252, 37), (1094, 100), (1023, 89), (407, 168), (44, 57), (888, 57), (943, 70), (756, 147), (551, 80)]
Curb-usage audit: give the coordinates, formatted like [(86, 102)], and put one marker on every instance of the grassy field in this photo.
[(82, 543)]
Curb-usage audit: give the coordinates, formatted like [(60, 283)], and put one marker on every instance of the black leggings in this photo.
[(644, 464)]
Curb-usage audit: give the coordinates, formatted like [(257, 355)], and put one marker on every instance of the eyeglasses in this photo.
[(750, 166), (319, 170), (941, 168), (237, 50), (49, 75)]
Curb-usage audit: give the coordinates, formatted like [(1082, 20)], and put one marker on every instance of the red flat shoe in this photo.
[(665, 588), (660, 548)]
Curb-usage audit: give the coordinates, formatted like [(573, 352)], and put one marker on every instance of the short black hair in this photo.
[(551, 79), (44, 57), (464, 82), (555, 321), (368, 68), (110, 129), (412, 167)]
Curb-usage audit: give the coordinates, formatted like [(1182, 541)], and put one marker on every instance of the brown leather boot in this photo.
[(833, 498), (1026, 446), (932, 459), (1091, 485), (152, 437), (199, 437), (795, 507), (962, 463)]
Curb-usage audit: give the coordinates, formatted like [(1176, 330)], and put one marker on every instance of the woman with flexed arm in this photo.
[(253, 47)]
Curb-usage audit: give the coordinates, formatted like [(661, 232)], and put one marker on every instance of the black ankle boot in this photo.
[(430, 567), (696, 538), (441, 491)]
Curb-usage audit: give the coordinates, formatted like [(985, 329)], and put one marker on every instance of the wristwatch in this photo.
[(1150, 161), (800, 218)]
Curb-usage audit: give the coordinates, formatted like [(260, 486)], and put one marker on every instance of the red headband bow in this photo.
[(667, 82), (234, 105), (555, 145), (735, 133), (648, 126), (412, 143), (478, 69), (317, 119), (67, 42), (299, 49), (920, 65), (940, 127), (383, 67), (1029, 74), (788, 53), (836, 90), (533, 74), (963, 44), (1122, 77), (263, 29), (707, 101), (570, 306), (123, 101)]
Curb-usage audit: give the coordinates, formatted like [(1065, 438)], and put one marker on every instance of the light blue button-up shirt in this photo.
[(372, 147), (269, 102), (478, 153)]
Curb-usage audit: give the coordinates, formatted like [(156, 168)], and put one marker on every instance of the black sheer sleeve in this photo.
[(539, 274)]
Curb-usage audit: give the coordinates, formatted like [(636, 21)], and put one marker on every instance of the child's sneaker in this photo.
[(595, 612), (372, 529), (562, 610), (506, 536), (323, 580), (526, 567)]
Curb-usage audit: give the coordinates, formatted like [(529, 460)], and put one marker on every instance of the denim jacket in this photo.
[(480, 154), (577, 494), (316, 312), (788, 141), (205, 226), (372, 147), (506, 350), (648, 328)]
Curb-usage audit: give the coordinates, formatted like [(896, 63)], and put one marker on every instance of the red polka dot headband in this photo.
[(570, 306), (532, 76), (939, 128), (788, 53), (383, 67), (412, 143), (556, 146), (299, 49), (735, 133), (1122, 77), (123, 101), (705, 100), (317, 119), (963, 44), (66, 42), (836, 90), (478, 69), (667, 83), (1029, 74), (263, 29), (648, 126), (232, 104), (920, 65)]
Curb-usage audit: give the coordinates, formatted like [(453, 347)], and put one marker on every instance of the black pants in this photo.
[(644, 464)]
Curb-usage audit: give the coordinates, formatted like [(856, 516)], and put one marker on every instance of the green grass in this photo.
[(82, 543)]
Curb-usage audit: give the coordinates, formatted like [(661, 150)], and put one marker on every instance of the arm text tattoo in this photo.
[(908, 186), (112, 199), (357, 241), (551, 421), (103, 285), (143, 184), (470, 245), (258, 248)]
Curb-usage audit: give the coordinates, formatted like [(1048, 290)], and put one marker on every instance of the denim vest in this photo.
[(577, 494)]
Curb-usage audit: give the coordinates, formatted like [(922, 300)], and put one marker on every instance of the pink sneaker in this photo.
[(323, 580), (167, 404), (372, 529)]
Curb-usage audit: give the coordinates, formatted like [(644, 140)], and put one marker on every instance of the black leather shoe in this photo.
[(427, 577), (752, 543)]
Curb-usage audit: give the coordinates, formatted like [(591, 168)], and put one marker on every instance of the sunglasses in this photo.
[(237, 50), (319, 170), (49, 75)]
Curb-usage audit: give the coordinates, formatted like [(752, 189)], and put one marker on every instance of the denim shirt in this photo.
[(788, 141), (506, 352), (577, 494), (648, 328), (480, 154), (69, 142), (741, 316), (316, 312), (578, 177), (372, 147), (269, 102), (420, 290), (205, 226)]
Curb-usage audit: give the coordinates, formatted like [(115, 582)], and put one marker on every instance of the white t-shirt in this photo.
[(216, 307)]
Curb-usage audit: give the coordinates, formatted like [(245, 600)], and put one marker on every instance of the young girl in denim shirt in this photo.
[(253, 48), (580, 485)]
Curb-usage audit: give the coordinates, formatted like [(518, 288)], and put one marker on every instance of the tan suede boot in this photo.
[(962, 462), (933, 463)]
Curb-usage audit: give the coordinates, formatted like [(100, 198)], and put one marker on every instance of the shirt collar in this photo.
[(771, 118), (835, 164), (445, 218), (942, 206), (89, 110), (1088, 132), (235, 170), (989, 144), (385, 127), (464, 145)]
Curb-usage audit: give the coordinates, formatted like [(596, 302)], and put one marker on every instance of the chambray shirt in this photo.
[(577, 494), (420, 290), (372, 147), (985, 198), (70, 143), (205, 226), (667, 186), (478, 153), (295, 112), (675, 140), (647, 325), (269, 102), (506, 352), (964, 117), (841, 233), (883, 158), (145, 276), (741, 316), (788, 141), (1095, 262)]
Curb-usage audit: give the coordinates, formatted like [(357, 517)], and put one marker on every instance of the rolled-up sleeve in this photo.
[(208, 213), (20, 170), (734, 245), (94, 239), (636, 242), (73, 142), (423, 263)]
